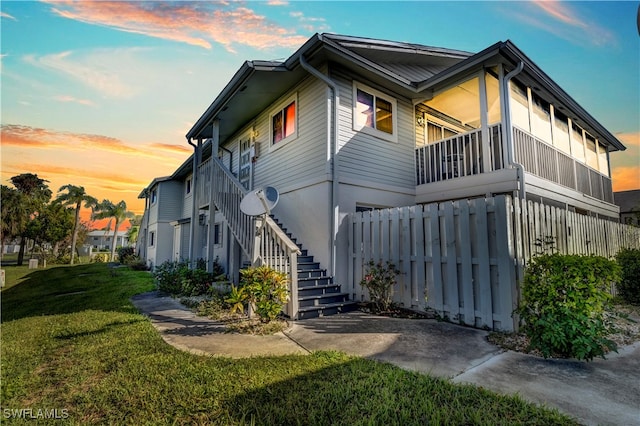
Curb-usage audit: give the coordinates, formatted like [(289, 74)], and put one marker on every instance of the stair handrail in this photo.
[(276, 249)]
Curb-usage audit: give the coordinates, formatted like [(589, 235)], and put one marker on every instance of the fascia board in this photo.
[(540, 76), (236, 82)]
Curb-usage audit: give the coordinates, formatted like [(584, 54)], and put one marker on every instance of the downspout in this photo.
[(194, 206), (509, 131), (332, 142)]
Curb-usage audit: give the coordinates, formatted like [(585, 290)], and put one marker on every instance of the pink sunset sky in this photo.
[(100, 94)]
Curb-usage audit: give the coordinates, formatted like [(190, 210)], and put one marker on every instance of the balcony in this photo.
[(547, 162), (445, 163), (459, 156)]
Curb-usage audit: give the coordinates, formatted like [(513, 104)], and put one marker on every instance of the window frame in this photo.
[(280, 108), (152, 238), (373, 131), (154, 196)]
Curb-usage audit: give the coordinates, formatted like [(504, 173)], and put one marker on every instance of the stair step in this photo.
[(318, 290), (305, 259), (308, 266), (312, 273), (322, 299), (315, 282), (326, 309)]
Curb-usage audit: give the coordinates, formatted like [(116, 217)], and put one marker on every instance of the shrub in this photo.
[(100, 258), (177, 278), (126, 255), (167, 276), (629, 285), (564, 302), (379, 280), (265, 289)]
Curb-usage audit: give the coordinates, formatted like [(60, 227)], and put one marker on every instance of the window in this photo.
[(152, 239), (437, 132), (374, 113), (188, 186), (591, 151), (519, 106), (154, 196), (561, 132), (577, 143), (217, 234), (541, 119), (284, 122)]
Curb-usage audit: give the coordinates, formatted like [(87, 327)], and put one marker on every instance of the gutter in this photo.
[(194, 206), (332, 143), (509, 132)]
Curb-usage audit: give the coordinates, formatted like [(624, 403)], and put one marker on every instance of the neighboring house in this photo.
[(102, 240), (629, 203), (348, 124)]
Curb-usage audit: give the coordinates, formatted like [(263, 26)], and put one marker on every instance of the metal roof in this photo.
[(409, 70)]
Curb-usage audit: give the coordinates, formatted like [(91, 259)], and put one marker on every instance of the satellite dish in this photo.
[(260, 201)]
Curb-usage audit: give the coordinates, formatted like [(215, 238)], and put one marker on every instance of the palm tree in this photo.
[(75, 196), (106, 209)]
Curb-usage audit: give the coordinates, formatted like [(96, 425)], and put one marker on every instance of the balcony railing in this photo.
[(544, 160), (460, 155)]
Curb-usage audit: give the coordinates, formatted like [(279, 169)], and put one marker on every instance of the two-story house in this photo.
[(348, 124)]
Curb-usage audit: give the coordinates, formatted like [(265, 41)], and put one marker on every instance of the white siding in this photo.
[(170, 196), (304, 158), (367, 158)]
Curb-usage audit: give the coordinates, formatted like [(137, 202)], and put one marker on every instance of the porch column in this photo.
[(215, 143), (484, 123)]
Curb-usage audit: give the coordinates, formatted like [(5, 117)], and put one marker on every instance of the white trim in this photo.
[(391, 137), (280, 108)]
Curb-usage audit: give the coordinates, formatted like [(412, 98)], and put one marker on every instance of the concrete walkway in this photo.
[(601, 392)]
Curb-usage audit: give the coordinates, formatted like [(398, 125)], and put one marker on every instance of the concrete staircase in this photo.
[(318, 294)]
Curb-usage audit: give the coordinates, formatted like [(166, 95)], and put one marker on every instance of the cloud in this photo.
[(563, 20), (6, 15), (112, 72), (33, 137), (180, 149), (195, 23), (67, 98)]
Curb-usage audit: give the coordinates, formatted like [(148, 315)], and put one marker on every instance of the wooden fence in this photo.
[(464, 258)]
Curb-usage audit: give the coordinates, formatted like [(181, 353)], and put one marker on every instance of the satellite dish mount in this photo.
[(259, 204)]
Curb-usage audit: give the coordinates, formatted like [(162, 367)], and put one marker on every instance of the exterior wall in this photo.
[(101, 240), (301, 160), (187, 201), (371, 161)]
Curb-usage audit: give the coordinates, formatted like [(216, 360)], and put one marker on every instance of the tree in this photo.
[(106, 209), (14, 214), (36, 195), (74, 197), (55, 223), (134, 230)]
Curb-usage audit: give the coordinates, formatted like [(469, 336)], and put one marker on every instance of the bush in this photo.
[(379, 280), (126, 255), (564, 303), (264, 288), (177, 278), (100, 258), (629, 285)]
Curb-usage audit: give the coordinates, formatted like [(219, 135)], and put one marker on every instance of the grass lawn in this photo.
[(72, 342)]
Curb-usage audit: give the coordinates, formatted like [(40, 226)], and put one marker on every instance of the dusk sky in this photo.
[(101, 94)]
